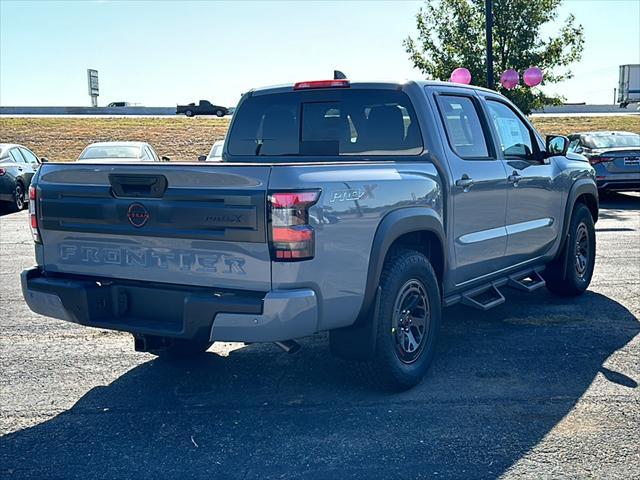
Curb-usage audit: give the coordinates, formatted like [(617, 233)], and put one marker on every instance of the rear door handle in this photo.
[(514, 177), (464, 182)]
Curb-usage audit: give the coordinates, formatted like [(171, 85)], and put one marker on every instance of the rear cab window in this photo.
[(463, 126), (327, 122)]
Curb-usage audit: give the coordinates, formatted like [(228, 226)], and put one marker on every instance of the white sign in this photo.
[(509, 132), (92, 80)]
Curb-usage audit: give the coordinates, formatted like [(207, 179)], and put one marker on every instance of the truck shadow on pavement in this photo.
[(616, 206), (501, 382)]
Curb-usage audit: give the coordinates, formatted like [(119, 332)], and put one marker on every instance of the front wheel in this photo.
[(408, 320), (570, 273)]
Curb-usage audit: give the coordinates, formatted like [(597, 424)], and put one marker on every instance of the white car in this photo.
[(108, 152), (215, 155)]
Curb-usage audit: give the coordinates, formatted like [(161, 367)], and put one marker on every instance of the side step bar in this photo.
[(527, 283), (483, 298), (489, 295)]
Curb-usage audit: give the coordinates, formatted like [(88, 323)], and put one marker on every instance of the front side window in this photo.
[(29, 156), (148, 154), (574, 145), (463, 127), (326, 123), (514, 136)]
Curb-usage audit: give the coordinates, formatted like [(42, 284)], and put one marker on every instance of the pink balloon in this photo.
[(532, 76), (460, 75), (509, 79)]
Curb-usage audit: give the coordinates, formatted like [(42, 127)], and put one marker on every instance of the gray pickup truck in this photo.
[(362, 209)]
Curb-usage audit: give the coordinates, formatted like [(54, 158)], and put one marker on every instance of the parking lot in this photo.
[(538, 387)]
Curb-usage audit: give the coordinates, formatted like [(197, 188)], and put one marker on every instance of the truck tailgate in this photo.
[(180, 224)]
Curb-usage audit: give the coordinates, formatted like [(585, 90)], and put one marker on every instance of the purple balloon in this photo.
[(460, 75), (532, 76), (509, 79)]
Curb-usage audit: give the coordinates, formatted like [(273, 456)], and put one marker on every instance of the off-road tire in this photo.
[(390, 372), (567, 275)]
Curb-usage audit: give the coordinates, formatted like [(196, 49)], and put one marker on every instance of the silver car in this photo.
[(108, 152), (215, 155), (614, 155)]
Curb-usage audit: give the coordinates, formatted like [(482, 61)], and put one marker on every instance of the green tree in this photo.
[(451, 34)]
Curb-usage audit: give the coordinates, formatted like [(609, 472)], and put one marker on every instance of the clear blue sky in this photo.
[(165, 52)]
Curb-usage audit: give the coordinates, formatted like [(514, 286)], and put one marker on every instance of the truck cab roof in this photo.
[(373, 84)]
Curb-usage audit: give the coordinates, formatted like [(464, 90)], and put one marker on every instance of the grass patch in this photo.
[(183, 139), (567, 125), (63, 138)]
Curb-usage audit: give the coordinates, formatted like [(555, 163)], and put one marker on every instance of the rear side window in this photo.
[(17, 157), (463, 127), (326, 123)]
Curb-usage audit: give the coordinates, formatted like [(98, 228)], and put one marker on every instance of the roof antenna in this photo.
[(338, 75)]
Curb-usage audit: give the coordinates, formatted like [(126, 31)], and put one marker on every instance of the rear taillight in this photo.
[(3, 171), (597, 160), (291, 237), (322, 84), (33, 214)]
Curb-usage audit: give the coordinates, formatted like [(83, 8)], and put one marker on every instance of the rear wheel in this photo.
[(570, 273), (18, 197), (408, 319), (189, 113), (219, 113)]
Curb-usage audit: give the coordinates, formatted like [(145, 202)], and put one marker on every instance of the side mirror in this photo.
[(557, 145), (44, 159), (165, 159), (579, 150), (202, 158)]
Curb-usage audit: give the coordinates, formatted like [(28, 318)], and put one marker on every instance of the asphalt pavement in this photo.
[(540, 387)]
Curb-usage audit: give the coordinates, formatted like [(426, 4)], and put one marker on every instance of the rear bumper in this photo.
[(146, 308), (626, 185)]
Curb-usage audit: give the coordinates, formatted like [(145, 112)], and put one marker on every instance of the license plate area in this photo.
[(632, 161)]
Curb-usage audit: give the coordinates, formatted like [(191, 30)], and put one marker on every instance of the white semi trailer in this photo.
[(629, 85)]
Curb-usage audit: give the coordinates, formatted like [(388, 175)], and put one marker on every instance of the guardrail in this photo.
[(87, 110)]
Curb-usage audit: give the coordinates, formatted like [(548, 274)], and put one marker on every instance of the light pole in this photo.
[(489, 26)]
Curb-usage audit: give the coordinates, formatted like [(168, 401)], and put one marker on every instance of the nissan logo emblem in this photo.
[(137, 215)]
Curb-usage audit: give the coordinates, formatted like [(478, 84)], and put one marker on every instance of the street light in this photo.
[(488, 10)]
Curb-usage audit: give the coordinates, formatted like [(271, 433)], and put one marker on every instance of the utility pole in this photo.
[(489, 26)]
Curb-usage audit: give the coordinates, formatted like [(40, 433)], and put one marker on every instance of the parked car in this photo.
[(615, 157), (215, 154), (204, 107), (119, 104), (18, 164), (108, 152), (438, 194)]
